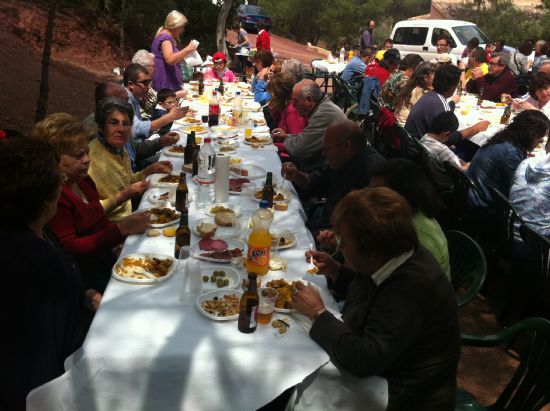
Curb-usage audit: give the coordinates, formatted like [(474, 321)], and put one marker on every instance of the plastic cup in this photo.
[(268, 297)]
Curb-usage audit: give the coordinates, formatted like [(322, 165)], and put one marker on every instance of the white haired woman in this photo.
[(167, 55), (148, 104)]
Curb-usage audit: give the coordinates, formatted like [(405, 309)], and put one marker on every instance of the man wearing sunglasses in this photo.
[(499, 80), (137, 80)]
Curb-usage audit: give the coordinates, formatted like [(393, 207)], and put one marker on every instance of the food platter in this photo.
[(248, 170), (235, 183), (234, 295), (160, 196), (133, 268), (258, 139), (174, 151), (156, 180), (279, 197), (234, 249), (224, 128), (162, 216), (284, 288), (214, 208), (232, 275), (224, 231), (289, 237), (198, 129)]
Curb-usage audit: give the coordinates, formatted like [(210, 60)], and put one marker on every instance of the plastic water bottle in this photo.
[(342, 55), (191, 281), (206, 175)]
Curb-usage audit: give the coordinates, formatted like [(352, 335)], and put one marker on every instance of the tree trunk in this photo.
[(42, 103), (220, 28), (122, 7)]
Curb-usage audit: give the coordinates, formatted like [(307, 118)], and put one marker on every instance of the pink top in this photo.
[(228, 76), (291, 121)]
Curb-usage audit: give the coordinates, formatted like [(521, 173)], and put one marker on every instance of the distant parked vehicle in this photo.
[(250, 14), (420, 36)]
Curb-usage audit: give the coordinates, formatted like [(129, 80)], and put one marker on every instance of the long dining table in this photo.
[(145, 350)]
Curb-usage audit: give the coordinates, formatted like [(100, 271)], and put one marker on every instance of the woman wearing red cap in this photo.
[(219, 71)]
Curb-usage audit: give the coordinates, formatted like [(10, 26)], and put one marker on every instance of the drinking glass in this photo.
[(268, 298)]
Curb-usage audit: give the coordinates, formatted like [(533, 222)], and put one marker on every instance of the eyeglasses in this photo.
[(145, 83)]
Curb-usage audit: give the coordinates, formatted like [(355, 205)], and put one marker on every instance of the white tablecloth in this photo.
[(324, 65), (147, 351), (468, 114)]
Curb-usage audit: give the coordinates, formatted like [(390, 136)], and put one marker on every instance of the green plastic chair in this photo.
[(468, 264), (529, 387)]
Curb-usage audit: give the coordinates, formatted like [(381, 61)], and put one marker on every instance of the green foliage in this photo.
[(501, 20), (338, 22)]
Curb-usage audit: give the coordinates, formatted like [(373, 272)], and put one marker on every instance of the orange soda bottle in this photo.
[(259, 242)]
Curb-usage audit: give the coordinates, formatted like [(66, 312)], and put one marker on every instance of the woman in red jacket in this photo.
[(80, 222), (263, 41)]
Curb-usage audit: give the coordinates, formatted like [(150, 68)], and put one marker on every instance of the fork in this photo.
[(312, 269)]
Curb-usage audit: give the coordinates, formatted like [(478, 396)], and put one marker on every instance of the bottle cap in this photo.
[(207, 140), (264, 204), (238, 93)]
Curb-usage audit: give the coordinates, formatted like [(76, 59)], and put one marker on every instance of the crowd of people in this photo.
[(71, 188)]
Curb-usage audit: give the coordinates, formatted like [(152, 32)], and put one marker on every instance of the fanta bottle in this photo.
[(259, 242)]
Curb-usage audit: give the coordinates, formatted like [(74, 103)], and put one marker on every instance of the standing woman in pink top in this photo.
[(167, 55), (290, 121)]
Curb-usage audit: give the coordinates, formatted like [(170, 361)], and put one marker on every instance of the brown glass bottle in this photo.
[(268, 191), (201, 84), (181, 193), (221, 88), (183, 234), (248, 307), (195, 168), (189, 146), (505, 118)]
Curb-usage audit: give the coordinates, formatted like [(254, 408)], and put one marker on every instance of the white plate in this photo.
[(144, 280), (289, 236), (264, 140), (254, 172), (252, 106), (288, 310), (225, 136), (231, 243), (154, 194), (166, 151), (285, 193), (223, 231), (260, 129), (260, 122), (187, 130), (154, 180), (163, 224), (230, 273), (236, 209), (224, 128), (220, 294), (238, 193)]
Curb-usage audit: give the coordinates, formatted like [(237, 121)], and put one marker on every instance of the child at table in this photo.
[(166, 99)]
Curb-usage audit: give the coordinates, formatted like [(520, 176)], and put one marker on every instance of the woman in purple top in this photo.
[(167, 55)]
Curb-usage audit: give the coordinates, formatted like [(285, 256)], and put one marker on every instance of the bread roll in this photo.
[(225, 218), (207, 229)]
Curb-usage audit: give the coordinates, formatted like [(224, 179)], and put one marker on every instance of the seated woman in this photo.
[(400, 318), (539, 95), (494, 164), (110, 166), (418, 85), (398, 80), (409, 180), (42, 321), (281, 107), (80, 223), (530, 192), (219, 71)]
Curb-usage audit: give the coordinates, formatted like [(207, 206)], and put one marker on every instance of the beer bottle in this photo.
[(201, 83), (480, 97), (268, 191), (248, 306), (183, 234), (195, 167), (189, 147), (181, 193), (213, 110), (221, 88), (505, 119)]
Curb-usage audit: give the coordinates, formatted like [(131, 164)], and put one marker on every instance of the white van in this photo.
[(420, 36)]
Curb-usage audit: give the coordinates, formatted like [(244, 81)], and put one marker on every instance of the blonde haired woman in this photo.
[(167, 55)]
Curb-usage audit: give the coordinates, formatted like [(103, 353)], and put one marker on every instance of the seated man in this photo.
[(434, 141), (388, 44), (137, 80), (444, 45), (349, 160), (435, 102), (310, 102), (383, 69), (354, 71), (498, 81), (476, 59)]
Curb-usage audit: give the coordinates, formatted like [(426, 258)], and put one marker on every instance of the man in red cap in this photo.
[(219, 71)]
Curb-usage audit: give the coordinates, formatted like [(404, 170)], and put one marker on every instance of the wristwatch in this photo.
[(318, 313)]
